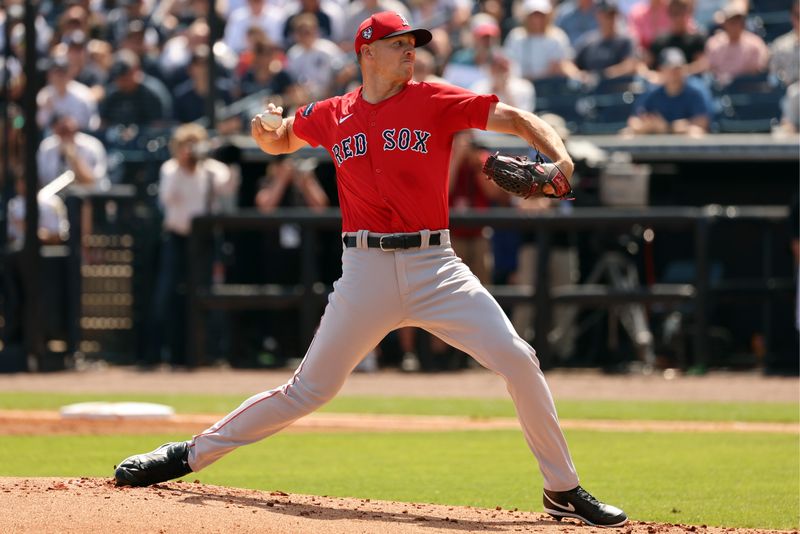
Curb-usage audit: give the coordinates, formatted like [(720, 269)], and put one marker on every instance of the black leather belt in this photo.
[(391, 242)]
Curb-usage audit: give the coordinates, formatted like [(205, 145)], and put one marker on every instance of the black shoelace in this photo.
[(585, 495)]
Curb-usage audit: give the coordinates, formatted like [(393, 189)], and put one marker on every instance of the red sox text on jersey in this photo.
[(356, 145)]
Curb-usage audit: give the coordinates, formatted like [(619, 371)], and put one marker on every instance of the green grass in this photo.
[(477, 408), (734, 480)]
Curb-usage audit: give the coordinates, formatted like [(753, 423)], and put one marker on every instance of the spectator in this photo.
[(132, 98), (674, 107), (785, 51), (135, 39), (63, 95), (119, 20), (680, 35), (267, 16), (604, 52), (540, 49), (469, 189), (471, 64), (44, 33), (190, 96), (316, 63), (16, 78), (53, 223), (80, 68), (329, 15), (704, 13), (190, 184), (735, 51), (53, 229), (425, 68), (74, 18), (69, 149), (177, 51), (647, 20), (288, 183), (444, 18), (359, 10), (268, 73), (577, 18), (503, 82), (790, 110)]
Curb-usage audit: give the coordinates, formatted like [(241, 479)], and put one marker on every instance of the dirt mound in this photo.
[(88, 505)]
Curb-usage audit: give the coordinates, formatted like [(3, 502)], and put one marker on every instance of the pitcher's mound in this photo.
[(89, 505)]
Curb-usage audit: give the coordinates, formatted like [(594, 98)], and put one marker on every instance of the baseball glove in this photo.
[(525, 178)]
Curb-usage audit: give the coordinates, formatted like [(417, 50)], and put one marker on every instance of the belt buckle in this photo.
[(380, 243)]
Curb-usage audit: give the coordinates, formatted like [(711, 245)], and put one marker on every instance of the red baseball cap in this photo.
[(388, 24)]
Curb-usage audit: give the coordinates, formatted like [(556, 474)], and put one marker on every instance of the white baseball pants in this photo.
[(427, 287)]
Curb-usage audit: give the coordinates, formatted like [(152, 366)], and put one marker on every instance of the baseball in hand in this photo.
[(270, 121)]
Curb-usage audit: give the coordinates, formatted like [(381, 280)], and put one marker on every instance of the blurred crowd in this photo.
[(144, 63), (112, 72)]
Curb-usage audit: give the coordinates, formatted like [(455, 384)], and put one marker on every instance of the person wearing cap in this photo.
[(540, 49), (471, 63), (133, 97), (605, 53), (735, 51), (391, 141), (676, 107), (64, 95)]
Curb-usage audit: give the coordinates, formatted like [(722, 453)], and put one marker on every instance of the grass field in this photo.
[(725, 479), (477, 408)]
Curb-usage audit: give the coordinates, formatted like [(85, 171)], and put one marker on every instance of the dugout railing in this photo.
[(310, 295)]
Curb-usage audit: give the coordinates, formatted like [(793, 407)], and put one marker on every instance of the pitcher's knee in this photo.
[(310, 397), (513, 357)]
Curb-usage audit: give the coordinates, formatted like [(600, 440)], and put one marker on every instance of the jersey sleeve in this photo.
[(310, 124), (459, 109)]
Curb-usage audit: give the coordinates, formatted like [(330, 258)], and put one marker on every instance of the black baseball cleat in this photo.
[(169, 461), (579, 504)]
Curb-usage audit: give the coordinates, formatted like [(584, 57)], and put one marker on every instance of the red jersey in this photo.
[(392, 158)]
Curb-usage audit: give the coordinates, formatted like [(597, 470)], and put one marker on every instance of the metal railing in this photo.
[(309, 295)]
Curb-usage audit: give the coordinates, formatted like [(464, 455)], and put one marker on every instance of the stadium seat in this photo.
[(605, 110), (770, 24), (749, 104), (559, 96)]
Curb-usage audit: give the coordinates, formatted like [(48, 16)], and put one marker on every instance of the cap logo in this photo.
[(403, 19), (366, 33)]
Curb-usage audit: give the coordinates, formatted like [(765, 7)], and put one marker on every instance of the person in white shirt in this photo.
[(190, 184), (69, 149), (510, 88), (53, 224), (317, 64), (540, 49), (266, 16), (66, 96)]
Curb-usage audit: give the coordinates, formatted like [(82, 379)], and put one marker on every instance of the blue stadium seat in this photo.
[(766, 6), (606, 108), (559, 96), (749, 104), (770, 24), (605, 113)]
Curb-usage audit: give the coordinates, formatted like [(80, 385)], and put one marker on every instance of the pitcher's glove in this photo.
[(525, 178)]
